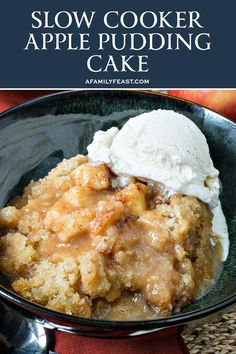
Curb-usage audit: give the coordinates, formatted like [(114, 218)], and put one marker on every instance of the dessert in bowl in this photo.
[(98, 255), (129, 232)]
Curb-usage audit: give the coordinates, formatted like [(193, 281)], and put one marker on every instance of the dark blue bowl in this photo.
[(36, 135)]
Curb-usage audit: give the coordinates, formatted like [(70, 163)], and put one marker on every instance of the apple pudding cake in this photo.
[(88, 243)]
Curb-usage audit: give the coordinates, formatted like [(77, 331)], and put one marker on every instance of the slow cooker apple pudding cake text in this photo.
[(77, 243)]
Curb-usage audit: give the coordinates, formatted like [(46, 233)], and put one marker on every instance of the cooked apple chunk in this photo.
[(108, 213), (133, 198), (67, 222), (156, 234), (96, 177)]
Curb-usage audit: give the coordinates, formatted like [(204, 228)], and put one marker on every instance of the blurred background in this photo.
[(221, 101)]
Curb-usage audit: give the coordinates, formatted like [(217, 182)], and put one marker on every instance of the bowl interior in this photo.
[(35, 136)]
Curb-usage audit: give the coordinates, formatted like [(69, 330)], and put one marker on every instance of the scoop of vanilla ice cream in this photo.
[(165, 147)]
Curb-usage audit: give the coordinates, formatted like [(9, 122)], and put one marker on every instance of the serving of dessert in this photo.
[(132, 231)]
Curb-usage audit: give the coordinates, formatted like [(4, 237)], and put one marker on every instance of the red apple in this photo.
[(221, 101), (9, 98)]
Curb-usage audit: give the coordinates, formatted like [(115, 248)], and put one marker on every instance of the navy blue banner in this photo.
[(123, 44)]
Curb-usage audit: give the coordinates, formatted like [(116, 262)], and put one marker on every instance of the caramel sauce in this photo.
[(115, 253)]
